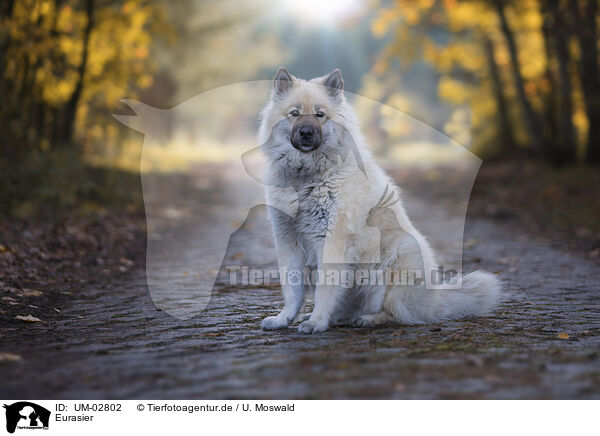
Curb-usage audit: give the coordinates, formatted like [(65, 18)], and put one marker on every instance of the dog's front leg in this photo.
[(291, 264), (327, 295), (326, 303)]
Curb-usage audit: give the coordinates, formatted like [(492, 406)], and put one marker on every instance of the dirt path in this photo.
[(114, 343)]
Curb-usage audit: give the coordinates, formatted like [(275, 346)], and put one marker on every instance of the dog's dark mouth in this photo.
[(305, 147)]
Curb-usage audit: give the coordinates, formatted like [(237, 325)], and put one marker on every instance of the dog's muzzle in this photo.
[(306, 134)]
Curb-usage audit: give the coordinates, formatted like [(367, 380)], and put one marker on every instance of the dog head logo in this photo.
[(26, 415), (306, 127)]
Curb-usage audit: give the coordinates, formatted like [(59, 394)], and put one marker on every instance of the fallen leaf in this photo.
[(126, 262), (30, 293), (28, 318), (400, 387), (237, 256), (492, 378), (9, 357), (474, 360), (398, 333), (10, 300), (562, 335)]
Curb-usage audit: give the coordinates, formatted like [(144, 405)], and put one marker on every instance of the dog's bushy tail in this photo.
[(480, 294)]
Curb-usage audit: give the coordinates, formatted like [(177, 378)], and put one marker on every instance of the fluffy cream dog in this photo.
[(347, 213)]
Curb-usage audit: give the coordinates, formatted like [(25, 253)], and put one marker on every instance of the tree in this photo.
[(584, 15), (562, 148), (530, 42), (70, 109), (506, 127), (534, 128), (64, 64)]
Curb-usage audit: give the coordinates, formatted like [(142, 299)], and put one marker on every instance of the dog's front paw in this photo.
[(275, 323), (370, 320), (310, 327), (303, 317), (363, 321)]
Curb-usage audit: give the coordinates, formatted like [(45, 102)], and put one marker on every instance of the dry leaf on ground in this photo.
[(9, 357), (28, 318)]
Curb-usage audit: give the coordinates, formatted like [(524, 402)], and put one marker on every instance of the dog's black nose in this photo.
[(306, 132)]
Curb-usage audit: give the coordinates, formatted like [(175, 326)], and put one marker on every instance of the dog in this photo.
[(348, 213)]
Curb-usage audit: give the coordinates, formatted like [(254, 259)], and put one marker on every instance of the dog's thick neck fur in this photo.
[(342, 140)]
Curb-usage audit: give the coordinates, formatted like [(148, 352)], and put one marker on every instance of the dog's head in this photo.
[(305, 124), (307, 108)]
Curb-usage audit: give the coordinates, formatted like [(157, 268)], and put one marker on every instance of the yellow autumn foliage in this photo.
[(453, 37)]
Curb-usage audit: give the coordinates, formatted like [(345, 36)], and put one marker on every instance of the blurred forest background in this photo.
[(506, 78), (515, 81), (527, 71)]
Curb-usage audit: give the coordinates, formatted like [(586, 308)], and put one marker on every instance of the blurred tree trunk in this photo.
[(6, 8), (46, 116), (70, 110), (29, 95), (564, 146), (550, 96), (506, 133), (586, 29), (532, 123)]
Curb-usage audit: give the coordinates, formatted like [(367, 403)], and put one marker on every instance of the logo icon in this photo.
[(26, 415)]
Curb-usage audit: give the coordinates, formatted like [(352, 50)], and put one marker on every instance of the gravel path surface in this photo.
[(113, 342)]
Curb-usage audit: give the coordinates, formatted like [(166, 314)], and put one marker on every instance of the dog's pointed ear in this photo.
[(334, 82), (282, 82)]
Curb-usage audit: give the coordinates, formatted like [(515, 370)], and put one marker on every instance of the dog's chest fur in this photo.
[(316, 204), (313, 219)]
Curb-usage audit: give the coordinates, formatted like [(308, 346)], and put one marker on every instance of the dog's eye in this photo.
[(319, 114), (295, 113)]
